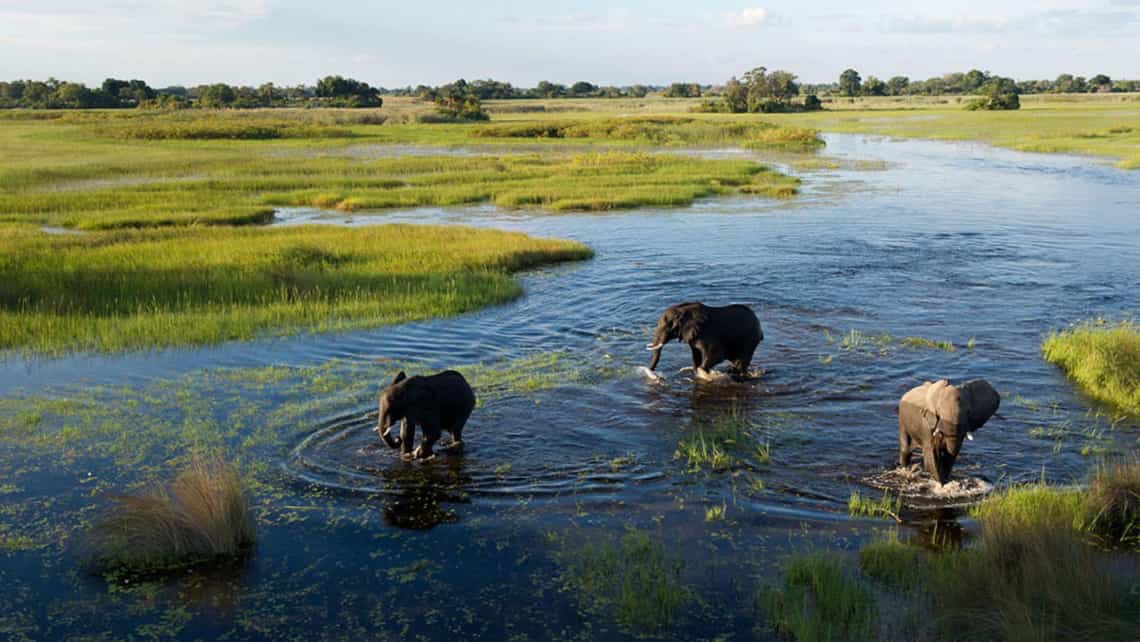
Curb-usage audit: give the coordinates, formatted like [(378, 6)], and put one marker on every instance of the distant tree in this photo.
[(1100, 83), (897, 85), (683, 90), (347, 92), (216, 95), (582, 88), (850, 83), (973, 80), (545, 89), (638, 91), (458, 100), (874, 87), (997, 94), (735, 96)]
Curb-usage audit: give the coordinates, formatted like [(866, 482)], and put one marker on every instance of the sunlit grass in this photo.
[(149, 289), (820, 601), (201, 516), (97, 170), (722, 442), (1104, 360)]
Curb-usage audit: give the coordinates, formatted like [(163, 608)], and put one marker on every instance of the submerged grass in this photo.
[(1103, 359), (202, 516), (634, 578), (157, 288)]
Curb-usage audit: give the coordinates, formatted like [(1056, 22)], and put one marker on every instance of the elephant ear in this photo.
[(400, 377), (689, 325)]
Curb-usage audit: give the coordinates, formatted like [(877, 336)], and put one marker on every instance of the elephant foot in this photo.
[(422, 455), (407, 456), (454, 447), (687, 369)]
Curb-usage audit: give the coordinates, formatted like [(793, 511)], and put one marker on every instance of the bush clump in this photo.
[(202, 516), (1103, 359)]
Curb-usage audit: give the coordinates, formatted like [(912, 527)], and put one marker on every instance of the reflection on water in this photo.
[(982, 248)]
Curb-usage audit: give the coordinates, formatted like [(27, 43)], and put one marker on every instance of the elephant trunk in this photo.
[(389, 440), (660, 338)]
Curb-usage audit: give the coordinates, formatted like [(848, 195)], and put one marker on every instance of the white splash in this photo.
[(917, 488)]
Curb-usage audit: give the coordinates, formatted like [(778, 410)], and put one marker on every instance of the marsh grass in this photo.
[(895, 564), (1113, 503), (728, 440), (886, 506), (921, 342), (1103, 359), (156, 288), (669, 130), (820, 601), (201, 516), (1034, 576), (716, 513), (634, 578), (223, 129)]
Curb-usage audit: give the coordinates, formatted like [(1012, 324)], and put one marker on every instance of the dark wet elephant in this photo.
[(436, 403), (714, 334), (937, 417)]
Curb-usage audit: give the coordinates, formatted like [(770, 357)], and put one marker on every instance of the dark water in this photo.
[(985, 248)]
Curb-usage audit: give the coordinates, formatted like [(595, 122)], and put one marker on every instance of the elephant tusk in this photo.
[(654, 346), (970, 436)]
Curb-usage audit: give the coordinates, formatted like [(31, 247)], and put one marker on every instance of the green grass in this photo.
[(886, 506), (1108, 127), (820, 601), (920, 342), (727, 440), (635, 579), (156, 288), (894, 564), (1104, 360), (99, 170)]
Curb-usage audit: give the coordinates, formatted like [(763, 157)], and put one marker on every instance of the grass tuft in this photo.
[(200, 517), (893, 563), (820, 601), (1103, 359), (1113, 505), (886, 506)]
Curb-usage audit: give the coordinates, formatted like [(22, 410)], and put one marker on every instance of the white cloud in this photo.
[(748, 17)]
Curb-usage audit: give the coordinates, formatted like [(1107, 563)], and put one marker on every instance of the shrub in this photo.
[(200, 517)]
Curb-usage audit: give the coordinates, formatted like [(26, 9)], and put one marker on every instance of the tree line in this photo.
[(851, 83), (330, 91)]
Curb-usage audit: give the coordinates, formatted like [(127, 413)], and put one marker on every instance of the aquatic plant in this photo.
[(727, 440), (634, 578), (202, 516), (820, 601), (886, 506), (1103, 359), (921, 342), (716, 513)]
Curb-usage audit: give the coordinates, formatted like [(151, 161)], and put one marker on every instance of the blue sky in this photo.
[(614, 42)]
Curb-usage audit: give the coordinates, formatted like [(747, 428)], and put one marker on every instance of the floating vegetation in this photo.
[(200, 517), (716, 513), (1103, 359), (920, 342), (634, 579), (728, 440)]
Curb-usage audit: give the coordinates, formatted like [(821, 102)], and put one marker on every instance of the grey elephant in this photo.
[(714, 334), (436, 403), (938, 417)]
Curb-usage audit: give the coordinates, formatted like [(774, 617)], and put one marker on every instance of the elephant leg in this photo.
[(930, 463), (407, 437), (698, 358), (904, 448), (431, 434), (456, 431), (711, 358), (743, 362)]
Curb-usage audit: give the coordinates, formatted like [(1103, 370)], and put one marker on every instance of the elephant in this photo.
[(435, 403), (714, 334), (938, 416)]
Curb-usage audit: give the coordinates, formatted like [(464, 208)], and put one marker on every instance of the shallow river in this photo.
[(984, 248)]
